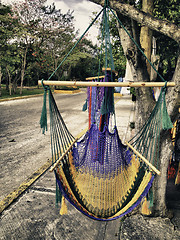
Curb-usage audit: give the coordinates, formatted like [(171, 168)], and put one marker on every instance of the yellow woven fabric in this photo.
[(103, 196)]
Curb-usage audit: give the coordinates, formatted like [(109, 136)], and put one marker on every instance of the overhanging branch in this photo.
[(165, 27)]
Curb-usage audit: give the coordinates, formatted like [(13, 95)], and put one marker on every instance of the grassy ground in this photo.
[(26, 91)]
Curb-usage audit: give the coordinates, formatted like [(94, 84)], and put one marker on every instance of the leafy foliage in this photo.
[(167, 48), (35, 38), (40, 36), (167, 9)]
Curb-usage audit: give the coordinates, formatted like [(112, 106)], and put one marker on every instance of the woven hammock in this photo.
[(98, 174)]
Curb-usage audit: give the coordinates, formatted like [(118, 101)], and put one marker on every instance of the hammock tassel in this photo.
[(145, 207), (84, 106), (63, 209), (58, 195), (43, 119)]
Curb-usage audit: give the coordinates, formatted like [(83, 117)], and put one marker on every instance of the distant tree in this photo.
[(43, 33), (8, 54), (29, 15), (83, 61), (56, 37)]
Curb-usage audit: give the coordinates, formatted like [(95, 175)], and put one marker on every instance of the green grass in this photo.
[(25, 92)]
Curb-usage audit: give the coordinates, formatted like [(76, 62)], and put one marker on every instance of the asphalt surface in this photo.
[(23, 150)]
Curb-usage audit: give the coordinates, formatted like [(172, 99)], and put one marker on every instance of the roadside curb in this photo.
[(10, 198), (67, 91), (23, 97), (38, 95), (55, 91), (118, 94)]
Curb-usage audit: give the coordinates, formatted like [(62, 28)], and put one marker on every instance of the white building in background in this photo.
[(128, 78)]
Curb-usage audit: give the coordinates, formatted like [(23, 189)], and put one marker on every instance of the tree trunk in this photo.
[(14, 84), (161, 26), (146, 33), (144, 106), (173, 94), (10, 84), (23, 69), (138, 69), (0, 81), (160, 182)]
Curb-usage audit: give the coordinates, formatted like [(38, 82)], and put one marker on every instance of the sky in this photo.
[(82, 12)]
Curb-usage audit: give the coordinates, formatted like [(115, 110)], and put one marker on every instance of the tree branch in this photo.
[(165, 27)]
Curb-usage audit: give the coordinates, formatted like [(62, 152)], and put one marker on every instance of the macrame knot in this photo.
[(44, 86), (165, 87)]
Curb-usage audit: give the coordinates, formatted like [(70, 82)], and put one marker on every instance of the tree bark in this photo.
[(173, 94), (0, 81), (10, 84), (160, 182), (138, 69), (23, 69), (146, 33)]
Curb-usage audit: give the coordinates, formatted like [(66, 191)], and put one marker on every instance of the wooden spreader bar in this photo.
[(93, 78), (143, 158), (106, 84)]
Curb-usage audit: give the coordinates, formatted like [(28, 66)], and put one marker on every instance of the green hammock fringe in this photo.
[(58, 195), (84, 106), (108, 102), (43, 119)]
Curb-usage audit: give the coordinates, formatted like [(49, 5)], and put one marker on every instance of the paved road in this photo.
[(23, 149)]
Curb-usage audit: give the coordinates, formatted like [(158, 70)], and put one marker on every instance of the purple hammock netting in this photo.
[(102, 153)]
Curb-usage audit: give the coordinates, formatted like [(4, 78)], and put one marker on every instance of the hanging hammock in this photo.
[(98, 174)]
